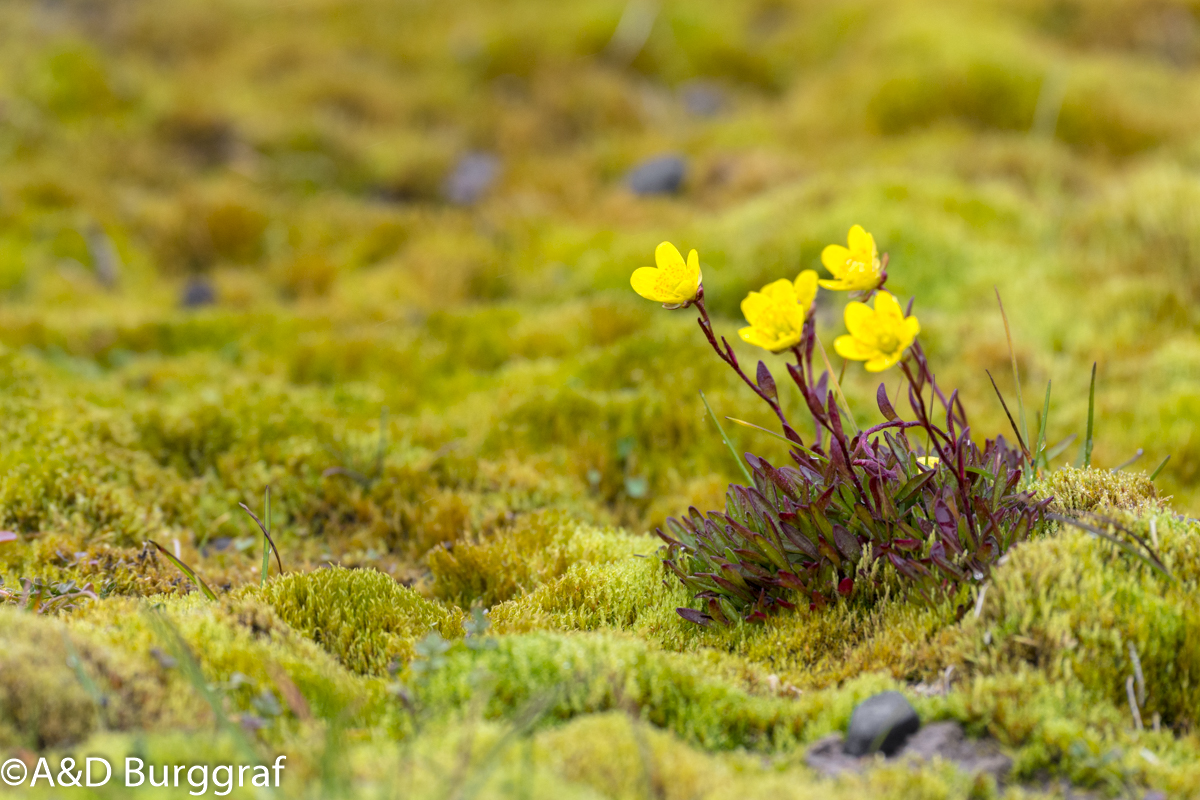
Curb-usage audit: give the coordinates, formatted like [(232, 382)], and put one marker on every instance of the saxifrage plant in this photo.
[(914, 497)]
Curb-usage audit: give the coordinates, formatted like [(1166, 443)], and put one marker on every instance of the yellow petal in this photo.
[(913, 327), (667, 256), (881, 362), (861, 243), (806, 289), (693, 264), (837, 285), (859, 319), (754, 336), (853, 349), (644, 281), (834, 257), (780, 291), (754, 305), (888, 307)]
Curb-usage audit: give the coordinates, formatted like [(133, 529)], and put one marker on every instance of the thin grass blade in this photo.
[(725, 438), (1159, 468), (266, 533), (1012, 353), (1089, 440), (186, 570)]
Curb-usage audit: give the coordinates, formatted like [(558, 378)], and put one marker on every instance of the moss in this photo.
[(362, 617), (1073, 607), (1099, 490), (583, 674), (514, 561)]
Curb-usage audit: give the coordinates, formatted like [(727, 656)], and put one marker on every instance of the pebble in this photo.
[(471, 177), (881, 723), (198, 292), (658, 175)]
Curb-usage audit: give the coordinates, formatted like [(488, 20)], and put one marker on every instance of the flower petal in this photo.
[(853, 349), (888, 307), (806, 289), (881, 362), (913, 326), (780, 291), (645, 282), (862, 244), (756, 337), (860, 319), (753, 306), (834, 257), (667, 256)]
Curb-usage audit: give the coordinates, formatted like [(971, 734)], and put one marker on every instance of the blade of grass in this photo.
[(186, 570), (266, 565), (1012, 353), (1089, 440), (194, 674), (266, 533), (1149, 557), (772, 433), (1058, 449), (1140, 452), (837, 386), (1011, 421), (1041, 440), (729, 444), (743, 423), (1159, 468)]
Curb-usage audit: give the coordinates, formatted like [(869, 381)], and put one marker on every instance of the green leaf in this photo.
[(729, 444), (186, 570)]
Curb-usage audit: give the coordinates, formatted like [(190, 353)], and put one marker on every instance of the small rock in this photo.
[(702, 98), (198, 292), (948, 741), (471, 177), (828, 757), (659, 175), (881, 724), (945, 740)]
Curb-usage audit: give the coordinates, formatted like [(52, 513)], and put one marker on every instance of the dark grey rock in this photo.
[(828, 757), (471, 177), (881, 724), (948, 741), (198, 292), (944, 740), (702, 98), (659, 175)]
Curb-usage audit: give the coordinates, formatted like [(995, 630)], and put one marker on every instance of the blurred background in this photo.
[(234, 232)]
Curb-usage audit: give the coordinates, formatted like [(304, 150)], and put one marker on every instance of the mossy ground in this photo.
[(540, 418)]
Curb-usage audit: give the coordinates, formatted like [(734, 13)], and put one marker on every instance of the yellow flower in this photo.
[(673, 282), (777, 313), (929, 462), (855, 267), (878, 336)]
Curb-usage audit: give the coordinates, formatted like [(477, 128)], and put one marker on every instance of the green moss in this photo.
[(514, 561), (1099, 490), (703, 697), (362, 617)]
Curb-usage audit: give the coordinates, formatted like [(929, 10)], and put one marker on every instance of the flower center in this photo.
[(887, 343)]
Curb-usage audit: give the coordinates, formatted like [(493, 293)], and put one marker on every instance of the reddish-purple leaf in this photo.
[(845, 587), (692, 615), (885, 405), (766, 381)]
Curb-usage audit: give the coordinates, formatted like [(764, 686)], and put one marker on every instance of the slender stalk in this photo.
[(1088, 440), (266, 565), (1016, 373), (727, 355), (729, 444), (837, 387)]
